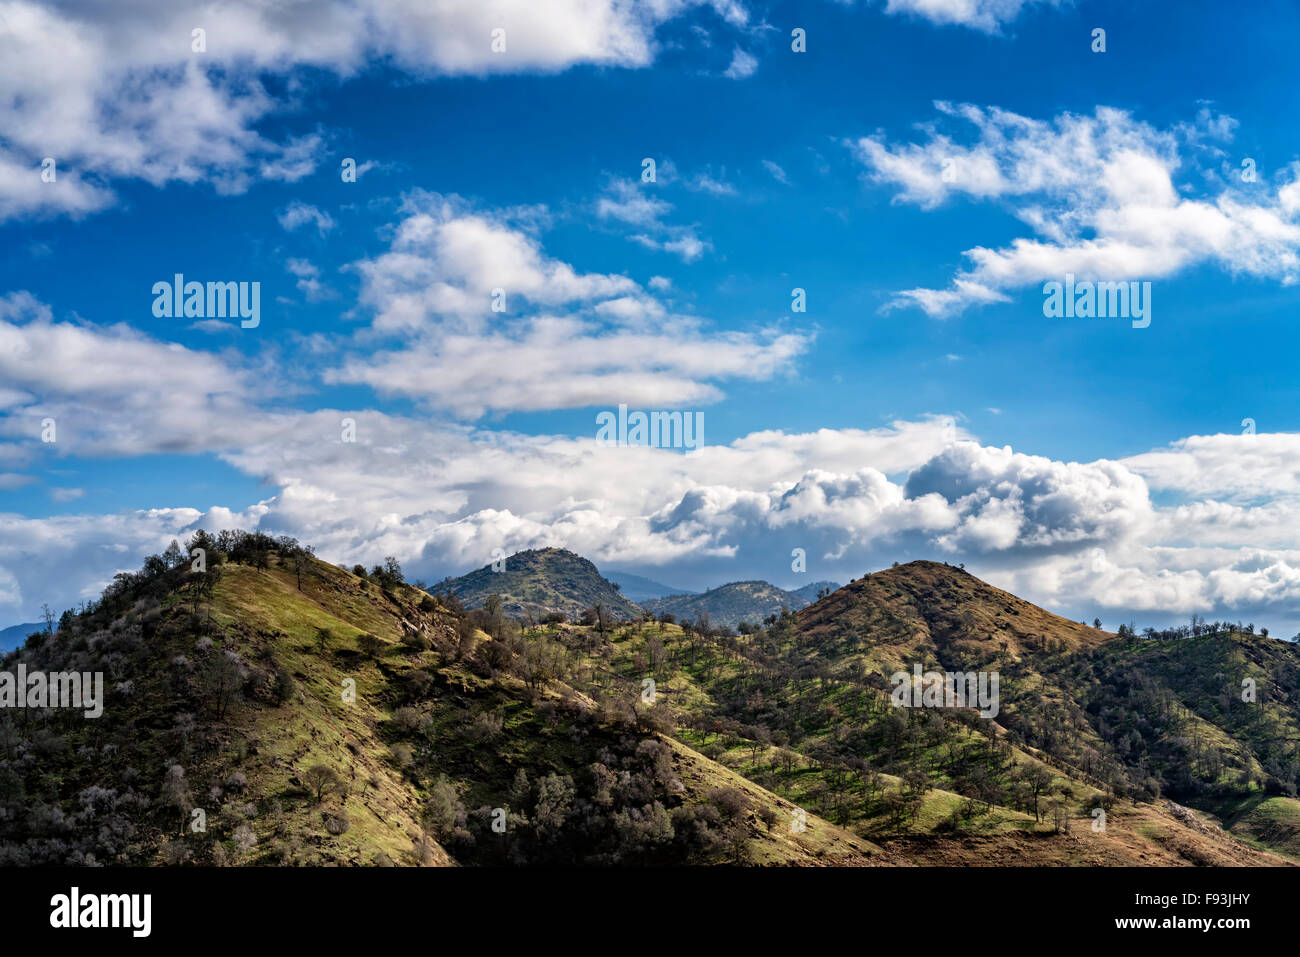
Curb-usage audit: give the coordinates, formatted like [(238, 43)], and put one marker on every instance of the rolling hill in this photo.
[(15, 635), (728, 605), (280, 710)]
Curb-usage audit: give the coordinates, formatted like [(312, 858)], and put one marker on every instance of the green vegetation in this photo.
[(277, 709)]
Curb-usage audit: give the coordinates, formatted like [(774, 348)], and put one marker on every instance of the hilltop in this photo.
[(15, 635), (813, 591), (275, 709), (541, 581), (727, 606)]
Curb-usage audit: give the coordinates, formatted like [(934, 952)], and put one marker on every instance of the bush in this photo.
[(284, 689)]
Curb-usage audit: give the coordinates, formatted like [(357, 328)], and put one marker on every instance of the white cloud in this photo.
[(1235, 467), (987, 16), (777, 172), (635, 204), (1083, 538), (189, 401), (301, 214), (743, 65), (309, 282), (1100, 194), (707, 183), (683, 242), (435, 289), (132, 99), (445, 260)]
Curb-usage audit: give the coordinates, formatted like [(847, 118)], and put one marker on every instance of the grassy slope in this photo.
[(266, 608), (320, 727), (1135, 834)]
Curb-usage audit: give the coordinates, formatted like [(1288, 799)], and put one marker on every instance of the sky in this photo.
[(823, 230)]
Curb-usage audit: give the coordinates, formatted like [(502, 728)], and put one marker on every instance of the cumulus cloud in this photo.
[(1230, 466), (1078, 537), (87, 378), (309, 282), (68, 559), (445, 261), (469, 294), (1101, 194), (137, 95)]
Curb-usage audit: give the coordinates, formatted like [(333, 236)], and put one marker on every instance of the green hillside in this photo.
[(275, 709), (278, 710)]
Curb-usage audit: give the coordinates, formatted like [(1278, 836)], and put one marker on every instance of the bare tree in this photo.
[(321, 779)]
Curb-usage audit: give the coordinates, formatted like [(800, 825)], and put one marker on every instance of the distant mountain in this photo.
[(15, 635), (637, 588), (539, 581), (809, 592), (728, 605)]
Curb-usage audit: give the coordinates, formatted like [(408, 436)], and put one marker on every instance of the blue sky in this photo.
[(922, 406)]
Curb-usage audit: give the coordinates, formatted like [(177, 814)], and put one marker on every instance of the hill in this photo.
[(541, 581), (813, 592), (1095, 718), (728, 605), (279, 710), (15, 635)]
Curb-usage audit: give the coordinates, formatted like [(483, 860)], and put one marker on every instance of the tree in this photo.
[(1096, 623), (302, 561), (174, 556), (1037, 780), (492, 605), (223, 679), (176, 793), (444, 810), (370, 645), (321, 779)]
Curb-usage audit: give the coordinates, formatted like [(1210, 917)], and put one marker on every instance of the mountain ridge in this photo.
[(315, 716)]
